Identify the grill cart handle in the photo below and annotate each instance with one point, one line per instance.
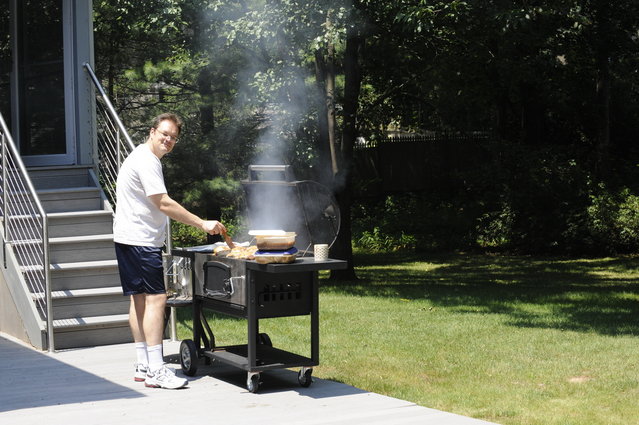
(225, 293)
(218, 282)
(228, 290)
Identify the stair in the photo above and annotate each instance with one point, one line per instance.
(88, 306)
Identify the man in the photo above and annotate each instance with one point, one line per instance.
(139, 234)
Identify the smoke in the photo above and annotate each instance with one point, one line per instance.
(274, 82)
(274, 206)
(277, 86)
(282, 112)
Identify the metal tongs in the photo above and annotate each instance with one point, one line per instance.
(228, 239)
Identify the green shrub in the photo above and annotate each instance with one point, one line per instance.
(185, 235)
(613, 220)
(518, 198)
(377, 241)
(628, 221)
(494, 228)
(414, 222)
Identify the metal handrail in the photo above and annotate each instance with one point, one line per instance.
(18, 200)
(112, 151)
(114, 142)
(105, 98)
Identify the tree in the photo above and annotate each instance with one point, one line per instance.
(166, 55)
(127, 35)
(344, 172)
(537, 72)
(300, 80)
(608, 33)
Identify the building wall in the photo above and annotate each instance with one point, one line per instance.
(10, 320)
(86, 139)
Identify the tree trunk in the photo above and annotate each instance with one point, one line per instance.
(603, 113)
(603, 52)
(343, 249)
(324, 174)
(330, 107)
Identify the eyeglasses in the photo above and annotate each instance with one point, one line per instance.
(167, 136)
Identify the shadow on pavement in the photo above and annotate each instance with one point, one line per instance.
(271, 381)
(30, 378)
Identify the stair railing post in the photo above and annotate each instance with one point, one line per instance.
(119, 152)
(4, 202)
(5, 221)
(47, 280)
(169, 251)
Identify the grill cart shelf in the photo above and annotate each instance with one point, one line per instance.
(246, 289)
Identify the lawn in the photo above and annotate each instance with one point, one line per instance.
(509, 339)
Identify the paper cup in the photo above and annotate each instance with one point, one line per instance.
(321, 252)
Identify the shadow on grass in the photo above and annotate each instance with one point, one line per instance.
(588, 295)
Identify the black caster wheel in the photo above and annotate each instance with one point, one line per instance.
(253, 382)
(304, 377)
(264, 339)
(188, 357)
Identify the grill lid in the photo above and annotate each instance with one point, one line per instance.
(275, 200)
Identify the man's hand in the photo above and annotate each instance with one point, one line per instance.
(213, 227)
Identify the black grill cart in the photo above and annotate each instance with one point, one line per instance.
(267, 291)
(246, 289)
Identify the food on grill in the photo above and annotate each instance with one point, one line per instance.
(240, 252)
(220, 249)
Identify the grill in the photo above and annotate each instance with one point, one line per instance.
(253, 291)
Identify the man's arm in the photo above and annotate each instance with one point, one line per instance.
(178, 213)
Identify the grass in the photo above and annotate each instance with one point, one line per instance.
(508, 339)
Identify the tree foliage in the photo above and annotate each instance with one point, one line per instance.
(297, 81)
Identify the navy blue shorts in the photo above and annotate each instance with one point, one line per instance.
(141, 270)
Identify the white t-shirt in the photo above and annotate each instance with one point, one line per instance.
(137, 220)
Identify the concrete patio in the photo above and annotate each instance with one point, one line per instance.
(95, 385)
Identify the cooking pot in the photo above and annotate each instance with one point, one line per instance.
(273, 240)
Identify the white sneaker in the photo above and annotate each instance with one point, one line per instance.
(164, 378)
(140, 372)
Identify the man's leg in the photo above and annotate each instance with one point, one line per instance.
(153, 329)
(158, 375)
(137, 310)
(153, 323)
(136, 313)
(146, 318)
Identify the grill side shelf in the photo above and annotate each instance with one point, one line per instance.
(303, 264)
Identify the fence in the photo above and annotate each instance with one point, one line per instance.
(416, 163)
(435, 137)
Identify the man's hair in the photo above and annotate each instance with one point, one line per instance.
(168, 116)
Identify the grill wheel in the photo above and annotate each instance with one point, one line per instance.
(253, 382)
(188, 357)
